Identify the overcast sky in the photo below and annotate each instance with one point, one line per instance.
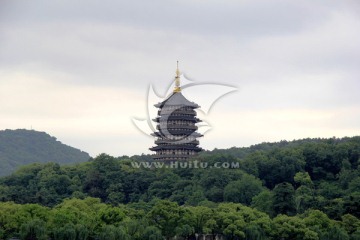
(81, 70)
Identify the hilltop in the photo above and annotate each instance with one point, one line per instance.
(21, 147)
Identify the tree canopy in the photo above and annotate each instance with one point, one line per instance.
(306, 189)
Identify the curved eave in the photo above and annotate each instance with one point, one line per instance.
(169, 141)
(178, 132)
(171, 157)
(162, 104)
(194, 134)
(176, 147)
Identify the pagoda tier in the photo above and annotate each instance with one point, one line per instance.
(176, 127)
(161, 141)
(176, 117)
(176, 147)
(194, 134)
(182, 111)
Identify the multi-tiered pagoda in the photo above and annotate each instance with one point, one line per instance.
(176, 138)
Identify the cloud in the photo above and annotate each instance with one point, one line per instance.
(80, 69)
(198, 17)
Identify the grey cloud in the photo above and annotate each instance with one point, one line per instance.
(242, 18)
(281, 54)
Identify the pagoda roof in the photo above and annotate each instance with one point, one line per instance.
(176, 99)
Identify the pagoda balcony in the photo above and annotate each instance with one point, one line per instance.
(174, 142)
(174, 147)
(171, 117)
(177, 133)
(172, 157)
(182, 112)
(171, 127)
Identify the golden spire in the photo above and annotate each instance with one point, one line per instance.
(177, 79)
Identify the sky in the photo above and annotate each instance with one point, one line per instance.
(81, 70)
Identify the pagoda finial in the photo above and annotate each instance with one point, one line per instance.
(177, 79)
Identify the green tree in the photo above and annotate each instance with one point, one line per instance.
(163, 187)
(336, 233)
(196, 196)
(352, 204)
(243, 190)
(232, 220)
(197, 218)
(103, 172)
(286, 227)
(185, 231)
(33, 230)
(350, 223)
(166, 215)
(110, 232)
(304, 198)
(254, 232)
(152, 233)
(354, 185)
(264, 202)
(284, 201)
(82, 233)
(280, 165)
(303, 179)
(317, 221)
(111, 215)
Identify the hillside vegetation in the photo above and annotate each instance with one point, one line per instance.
(22, 147)
(307, 189)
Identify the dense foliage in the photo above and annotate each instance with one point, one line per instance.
(307, 189)
(21, 147)
(159, 219)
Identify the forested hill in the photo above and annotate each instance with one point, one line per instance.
(300, 190)
(242, 152)
(22, 147)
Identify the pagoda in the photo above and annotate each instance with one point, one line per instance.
(176, 135)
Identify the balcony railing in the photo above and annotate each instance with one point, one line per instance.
(174, 127)
(174, 118)
(171, 157)
(186, 112)
(174, 142)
